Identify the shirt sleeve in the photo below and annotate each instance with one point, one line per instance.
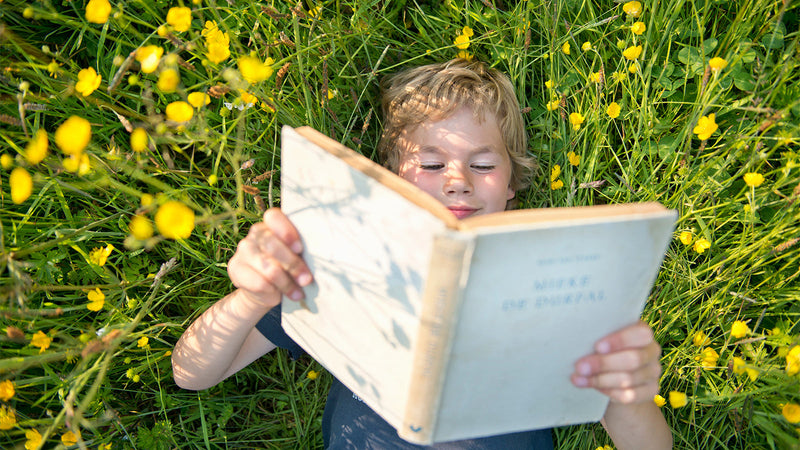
(270, 327)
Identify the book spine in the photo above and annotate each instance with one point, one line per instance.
(441, 302)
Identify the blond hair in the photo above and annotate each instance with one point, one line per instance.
(434, 92)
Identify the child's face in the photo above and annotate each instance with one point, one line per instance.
(461, 162)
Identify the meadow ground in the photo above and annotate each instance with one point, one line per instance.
(139, 142)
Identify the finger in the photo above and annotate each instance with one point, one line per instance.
(638, 394)
(283, 228)
(630, 359)
(635, 335)
(642, 376)
(272, 250)
(257, 266)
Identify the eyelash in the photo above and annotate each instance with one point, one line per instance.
(438, 166)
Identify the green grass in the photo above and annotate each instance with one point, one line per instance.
(95, 377)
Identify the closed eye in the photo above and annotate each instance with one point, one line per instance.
(483, 167)
(431, 166)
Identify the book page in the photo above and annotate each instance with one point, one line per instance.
(535, 302)
(368, 248)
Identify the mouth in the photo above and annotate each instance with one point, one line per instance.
(462, 211)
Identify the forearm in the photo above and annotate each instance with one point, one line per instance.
(217, 340)
(637, 426)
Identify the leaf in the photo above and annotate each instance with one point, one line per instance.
(774, 38)
(709, 45)
(743, 79)
(690, 56)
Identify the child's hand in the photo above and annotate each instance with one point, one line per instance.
(267, 263)
(625, 365)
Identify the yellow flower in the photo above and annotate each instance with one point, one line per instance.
(576, 119)
(21, 185)
(180, 18)
(41, 340)
(633, 9)
(565, 48)
(179, 111)
(586, 46)
(312, 375)
(552, 106)
(6, 390)
(147, 200)
(7, 418)
(253, 70)
(96, 300)
(139, 140)
(34, 439)
(141, 228)
(638, 28)
(97, 11)
(706, 126)
(143, 342)
(36, 150)
(77, 163)
(632, 52)
(574, 159)
(168, 81)
(555, 172)
(613, 110)
(198, 99)
(73, 135)
(700, 339)
(791, 412)
(467, 31)
(461, 42)
(793, 361)
(717, 63)
(633, 68)
(556, 185)
(463, 54)
(175, 220)
(53, 68)
(6, 161)
(98, 256)
(701, 245)
(677, 399)
(659, 401)
(709, 358)
(248, 99)
(548, 84)
(595, 77)
(88, 81)
(148, 57)
(738, 365)
(686, 239)
(752, 373)
(753, 179)
(217, 43)
(619, 76)
(69, 438)
(739, 329)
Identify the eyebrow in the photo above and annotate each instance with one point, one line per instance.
(475, 151)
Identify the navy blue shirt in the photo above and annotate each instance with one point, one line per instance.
(348, 423)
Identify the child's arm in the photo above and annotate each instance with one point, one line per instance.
(267, 264)
(626, 367)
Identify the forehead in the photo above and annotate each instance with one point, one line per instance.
(464, 130)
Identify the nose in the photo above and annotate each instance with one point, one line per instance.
(457, 181)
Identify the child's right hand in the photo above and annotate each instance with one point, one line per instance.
(268, 262)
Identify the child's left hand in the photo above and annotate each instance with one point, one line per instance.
(625, 366)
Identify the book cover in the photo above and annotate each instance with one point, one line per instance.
(455, 329)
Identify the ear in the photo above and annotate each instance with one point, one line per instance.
(511, 193)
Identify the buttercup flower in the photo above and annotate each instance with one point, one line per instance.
(97, 11)
(168, 81)
(6, 390)
(198, 99)
(659, 401)
(633, 52)
(69, 438)
(700, 339)
(141, 228)
(179, 112)
(147, 200)
(595, 77)
(7, 418)
(175, 220)
(701, 245)
(576, 119)
(77, 164)
(73, 135)
(706, 126)
(143, 342)
(633, 9)
(738, 365)
(613, 110)
(96, 300)
(793, 361)
(36, 150)
(461, 42)
(98, 256)
(548, 84)
(574, 159)
(791, 412)
(586, 46)
(565, 48)
(739, 329)
(463, 54)
(180, 18)
(638, 28)
(217, 43)
(467, 31)
(552, 106)
(717, 64)
(556, 185)
(41, 340)
(88, 81)
(312, 375)
(633, 68)
(708, 358)
(148, 57)
(139, 140)
(34, 439)
(677, 399)
(21, 185)
(53, 68)
(253, 70)
(686, 238)
(6, 161)
(753, 179)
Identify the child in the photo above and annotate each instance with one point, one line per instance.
(454, 130)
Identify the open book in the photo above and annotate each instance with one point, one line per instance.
(453, 329)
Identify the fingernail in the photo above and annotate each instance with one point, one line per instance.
(297, 247)
(603, 347)
(584, 369)
(296, 294)
(580, 381)
(304, 279)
